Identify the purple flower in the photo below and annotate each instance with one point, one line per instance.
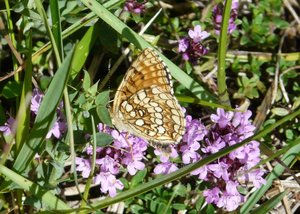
(134, 166)
(8, 126)
(189, 155)
(183, 44)
(134, 6)
(195, 133)
(230, 198)
(165, 168)
(217, 16)
(126, 152)
(59, 126)
(57, 130)
(191, 47)
(254, 176)
(229, 172)
(109, 183)
(197, 34)
(201, 172)
(83, 166)
(108, 164)
(219, 170)
(165, 157)
(36, 100)
(213, 146)
(222, 118)
(212, 195)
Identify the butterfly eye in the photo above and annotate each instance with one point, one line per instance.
(145, 105)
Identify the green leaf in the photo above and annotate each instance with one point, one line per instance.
(244, 40)
(280, 111)
(296, 103)
(282, 24)
(109, 39)
(86, 84)
(56, 26)
(92, 91)
(102, 98)
(136, 208)
(103, 139)
(11, 89)
(104, 116)
(245, 24)
(82, 50)
(210, 209)
(177, 206)
(180, 190)
(199, 203)
(153, 205)
(289, 134)
(138, 177)
(44, 82)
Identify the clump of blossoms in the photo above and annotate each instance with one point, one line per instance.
(217, 16)
(6, 129)
(191, 46)
(126, 151)
(59, 126)
(134, 6)
(228, 173)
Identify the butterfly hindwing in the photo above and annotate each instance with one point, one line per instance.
(144, 103)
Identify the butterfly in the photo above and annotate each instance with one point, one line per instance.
(145, 105)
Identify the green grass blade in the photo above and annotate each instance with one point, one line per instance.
(23, 116)
(73, 28)
(45, 116)
(47, 197)
(56, 26)
(40, 9)
(222, 88)
(270, 204)
(82, 50)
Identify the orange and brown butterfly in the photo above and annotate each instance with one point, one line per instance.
(145, 105)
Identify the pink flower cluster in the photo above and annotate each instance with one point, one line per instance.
(59, 126)
(191, 46)
(134, 6)
(126, 151)
(217, 16)
(227, 173)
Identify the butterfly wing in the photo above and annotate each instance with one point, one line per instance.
(144, 103)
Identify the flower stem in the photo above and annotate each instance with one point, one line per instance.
(222, 88)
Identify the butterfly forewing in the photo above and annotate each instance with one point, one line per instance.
(144, 103)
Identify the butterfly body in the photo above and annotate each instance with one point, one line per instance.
(145, 105)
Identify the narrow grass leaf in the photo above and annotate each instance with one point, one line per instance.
(44, 117)
(50, 200)
(82, 50)
(270, 204)
(56, 26)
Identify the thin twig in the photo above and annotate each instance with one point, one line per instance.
(292, 11)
